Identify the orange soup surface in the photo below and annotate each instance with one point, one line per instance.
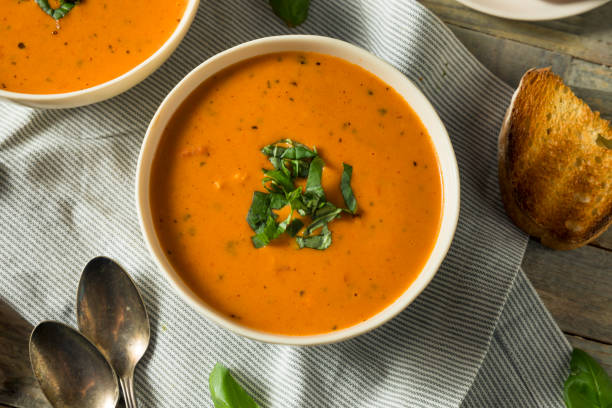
(208, 165)
(95, 42)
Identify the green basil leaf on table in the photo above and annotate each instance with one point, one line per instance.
(225, 390)
(292, 12)
(588, 385)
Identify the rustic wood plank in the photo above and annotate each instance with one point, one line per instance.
(587, 36)
(499, 55)
(599, 351)
(604, 240)
(585, 74)
(576, 286)
(591, 82)
(18, 386)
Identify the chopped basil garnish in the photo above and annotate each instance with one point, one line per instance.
(260, 209)
(64, 7)
(321, 241)
(294, 227)
(313, 182)
(322, 217)
(293, 160)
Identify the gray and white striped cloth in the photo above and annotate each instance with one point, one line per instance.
(478, 336)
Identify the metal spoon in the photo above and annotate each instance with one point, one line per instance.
(70, 370)
(111, 313)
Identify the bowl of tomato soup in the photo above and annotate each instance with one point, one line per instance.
(72, 53)
(297, 190)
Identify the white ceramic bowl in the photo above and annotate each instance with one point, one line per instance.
(533, 10)
(348, 52)
(115, 86)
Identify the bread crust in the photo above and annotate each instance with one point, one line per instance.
(555, 177)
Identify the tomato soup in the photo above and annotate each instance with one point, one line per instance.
(208, 165)
(95, 42)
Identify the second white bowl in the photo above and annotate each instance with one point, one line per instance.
(115, 86)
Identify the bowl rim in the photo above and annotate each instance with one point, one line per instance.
(449, 174)
(523, 12)
(158, 57)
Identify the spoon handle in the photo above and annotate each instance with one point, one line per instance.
(127, 386)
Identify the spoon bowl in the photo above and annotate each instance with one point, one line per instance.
(71, 371)
(111, 313)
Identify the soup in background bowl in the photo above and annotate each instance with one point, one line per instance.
(201, 163)
(96, 51)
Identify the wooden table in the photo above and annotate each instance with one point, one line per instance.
(576, 286)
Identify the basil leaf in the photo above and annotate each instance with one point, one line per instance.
(588, 385)
(294, 227)
(278, 178)
(259, 211)
(294, 151)
(292, 12)
(274, 150)
(313, 182)
(64, 7)
(322, 217)
(314, 193)
(295, 155)
(299, 168)
(345, 187)
(299, 152)
(321, 241)
(271, 230)
(266, 233)
(277, 201)
(276, 162)
(225, 390)
(294, 199)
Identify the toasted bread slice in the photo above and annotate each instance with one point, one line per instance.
(555, 163)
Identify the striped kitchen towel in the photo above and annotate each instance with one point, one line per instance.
(478, 336)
